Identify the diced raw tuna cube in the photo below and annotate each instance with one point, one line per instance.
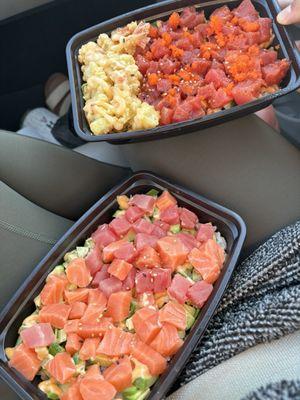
(94, 260)
(144, 202)
(126, 252)
(133, 213)
(100, 275)
(188, 239)
(188, 218)
(144, 281)
(143, 226)
(205, 232)
(162, 279)
(199, 293)
(129, 282)
(275, 72)
(103, 236)
(38, 335)
(179, 288)
(142, 240)
(110, 285)
(170, 215)
(120, 226)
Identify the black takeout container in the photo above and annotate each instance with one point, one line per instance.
(266, 8)
(21, 305)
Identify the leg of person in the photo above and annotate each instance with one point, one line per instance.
(244, 165)
(55, 178)
(27, 232)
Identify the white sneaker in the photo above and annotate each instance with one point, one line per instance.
(38, 123)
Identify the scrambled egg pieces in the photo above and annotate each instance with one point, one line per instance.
(113, 82)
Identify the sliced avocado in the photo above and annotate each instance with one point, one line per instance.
(196, 276)
(82, 251)
(181, 334)
(152, 192)
(140, 370)
(133, 307)
(190, 320)
(52, 396)
(190, 231)
(71, 255)
(80, 367)
(156, 213)
(132, 393)
(103, 360)
(89, 243)
(175, 228)
(19, 341)
(76, 358)
(191, 314)
(119, 213)
(60, 335)
(144, 383)
(185, 270)
(129, 324)
(130, 236)
(55, 348)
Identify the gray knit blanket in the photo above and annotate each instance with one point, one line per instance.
(262, 303)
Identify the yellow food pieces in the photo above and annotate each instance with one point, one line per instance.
(113, 82)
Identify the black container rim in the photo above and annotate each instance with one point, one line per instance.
(224, 215)
(189, 126)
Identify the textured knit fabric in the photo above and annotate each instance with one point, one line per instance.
(284, 390)
(261, 304)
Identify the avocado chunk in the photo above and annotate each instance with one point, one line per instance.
(55, 348)
(175, 228)
(52, 396)
(133, 307)
(82, 251)
(60, 335)
(133, 393)
(152, 192)
(185, 270)
(156, 213)
(71, 255)
(129, 324)
(76, 358)
(196, 276)
(144, 383)
(191, 315)
(119, 213)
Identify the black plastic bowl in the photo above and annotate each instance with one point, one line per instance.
(231, 226)
(266, 8)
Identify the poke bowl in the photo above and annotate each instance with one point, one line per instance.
(154, 308)
(176, 67)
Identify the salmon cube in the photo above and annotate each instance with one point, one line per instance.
(172, 251)
(120, 269)
(118, 305)
(119, 374)
(25, 361)
(167, 342)
(61, 367)
(146, 325)
(156, 363)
